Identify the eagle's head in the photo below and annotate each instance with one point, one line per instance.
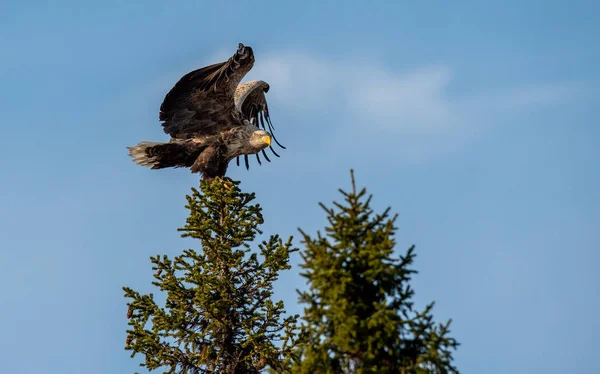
(260, 140)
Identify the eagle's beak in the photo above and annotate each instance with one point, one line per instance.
(267, 139)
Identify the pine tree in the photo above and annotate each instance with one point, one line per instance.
(358, 316)
(218, 316)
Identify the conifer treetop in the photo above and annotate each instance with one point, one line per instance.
(359, 315)
(219, 316)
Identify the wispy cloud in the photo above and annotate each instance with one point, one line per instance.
(409, 112)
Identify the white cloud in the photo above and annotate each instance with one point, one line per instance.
(409, 112)
(412, 103)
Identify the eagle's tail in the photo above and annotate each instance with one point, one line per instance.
(141, 154)
(157, 155)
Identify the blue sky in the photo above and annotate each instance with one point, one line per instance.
(475, 121)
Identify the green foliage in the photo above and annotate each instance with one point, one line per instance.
(359, 317)
(218, 316)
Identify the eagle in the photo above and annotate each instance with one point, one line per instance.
(212, 119)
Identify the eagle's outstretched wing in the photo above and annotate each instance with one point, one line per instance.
(250, 100)
(201, 102)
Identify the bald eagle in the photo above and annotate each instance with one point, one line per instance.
(212, 119)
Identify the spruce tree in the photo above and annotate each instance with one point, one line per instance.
(218, 316)
(358, 315)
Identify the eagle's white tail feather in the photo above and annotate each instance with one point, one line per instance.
(138, 153)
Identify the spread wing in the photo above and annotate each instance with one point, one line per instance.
(202, 101)
(250, 100)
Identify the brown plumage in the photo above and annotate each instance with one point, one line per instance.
(212, 119)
